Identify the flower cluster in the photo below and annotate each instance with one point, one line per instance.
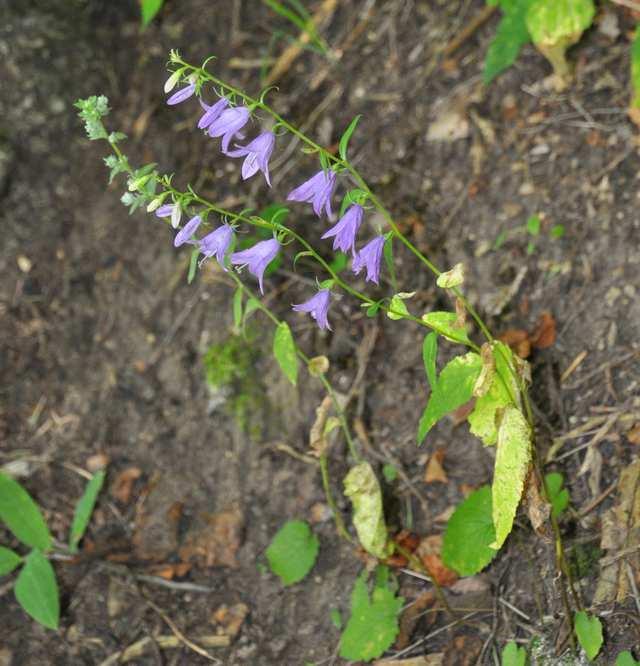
(227, 122)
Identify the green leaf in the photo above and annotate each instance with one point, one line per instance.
(84, 509)
(362, 488)
(193, 265)
(36, 590)
(511, 35)
(429, 356)
(149, 8)
(445, 324)
(22, 515)
(635, 70)
(356, 196)
(339, 262)
(8, 560)
(344, 141)
(626, 659)
(482, 419)
(533, 225)
(453, 388)
(293, 551)
(589, 633)
(512, 655)
(557, 231)
(558, 496)
(237, 308)
(466, 546)
(513, 456)
(373, 624)
(398, 306)
(389, 472)
(284, 349)
(387, 251)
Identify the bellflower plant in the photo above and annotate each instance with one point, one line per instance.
(170, 210)
(257, 154)
(257, 258)
(317, 306)
(212, 113)
(217, 243)
(182, 95)
(228, 124)
(318, 191)
(345, 230)
(369, 257)
(186, 233)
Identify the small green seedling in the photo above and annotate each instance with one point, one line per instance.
(512, 655)
(589, 632)
(293, 552)
(558, 496)
(532, 228)
(626, 659)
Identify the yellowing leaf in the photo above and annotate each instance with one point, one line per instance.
(445, 324)
(452, 278)
(362, 488)
(513, 457)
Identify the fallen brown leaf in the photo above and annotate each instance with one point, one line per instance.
(518, 341)
(230, 619)
(429, 552)
(171, 570)
(412, 614)
(123, 484)
(434, 472)
(545, 333)
(537, 508)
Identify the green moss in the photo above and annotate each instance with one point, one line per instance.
(584, 560)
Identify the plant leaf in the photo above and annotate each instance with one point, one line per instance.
(22, 515)
(452, 389)
(293, 551)
(513, 456)
(635, 70)
(626, 659)
(558, 496)
(284, 349)
(445, 324)
(84, 509)
(399, 308)
(193, 265)
(512, 655)
(469, 534)
(589, 633)
(237, 308)
(8, 560)
(362, 488)
(452, 278)
(373, 624)
(36, 590)
(429, 356)
(149, 9)
(344, 140)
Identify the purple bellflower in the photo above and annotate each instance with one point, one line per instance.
(186, 233)
(217, 242)
(317, 191)
(369, 258)
(346, 228)
(212, 113)
(317, 306)
(182, 94)
(256, 154)
(228, 124)
(170, 210)
(257, 258)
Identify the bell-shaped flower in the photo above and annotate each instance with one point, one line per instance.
(257, 258)
(182, 94)
(257, 154)
(317, 306)
(170, 210)
(318, 191)
(185, 235)
(345, 230)
(228, 124)
(217, 243)
(369, 257)
(212, 113)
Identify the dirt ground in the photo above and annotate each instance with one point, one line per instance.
(102, 340)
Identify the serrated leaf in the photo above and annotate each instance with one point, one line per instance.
(362, 488)
(84, 509)
(558, 496)
(373, 624)
(482, 419)
(445, 324)
(512, 655)
(469, 534)
(589, 633)
(453, 388)
(22, 515)
(429, 356)
(559, 23)
(284, 349)
(452, 278)
(626, 659)
(149, 9)
(293, 551)
(8, 560)
(513, 457)
(511, 35)
(36, 590)
(344, 140)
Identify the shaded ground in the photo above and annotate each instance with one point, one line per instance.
(102, 340)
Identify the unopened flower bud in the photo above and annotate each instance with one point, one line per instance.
(171, 82)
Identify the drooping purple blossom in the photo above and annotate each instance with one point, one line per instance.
(182, 94)
(369, 257)
(345, 229)
(186, 233)
(317, 306)
(217, 243)
(170, 210)
(318, 191)
(256, 154)
(257, 258)
(228, 124)
(212, 113)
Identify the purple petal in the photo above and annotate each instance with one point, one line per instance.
(185, 234)
(212, 113)
(182, 94)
